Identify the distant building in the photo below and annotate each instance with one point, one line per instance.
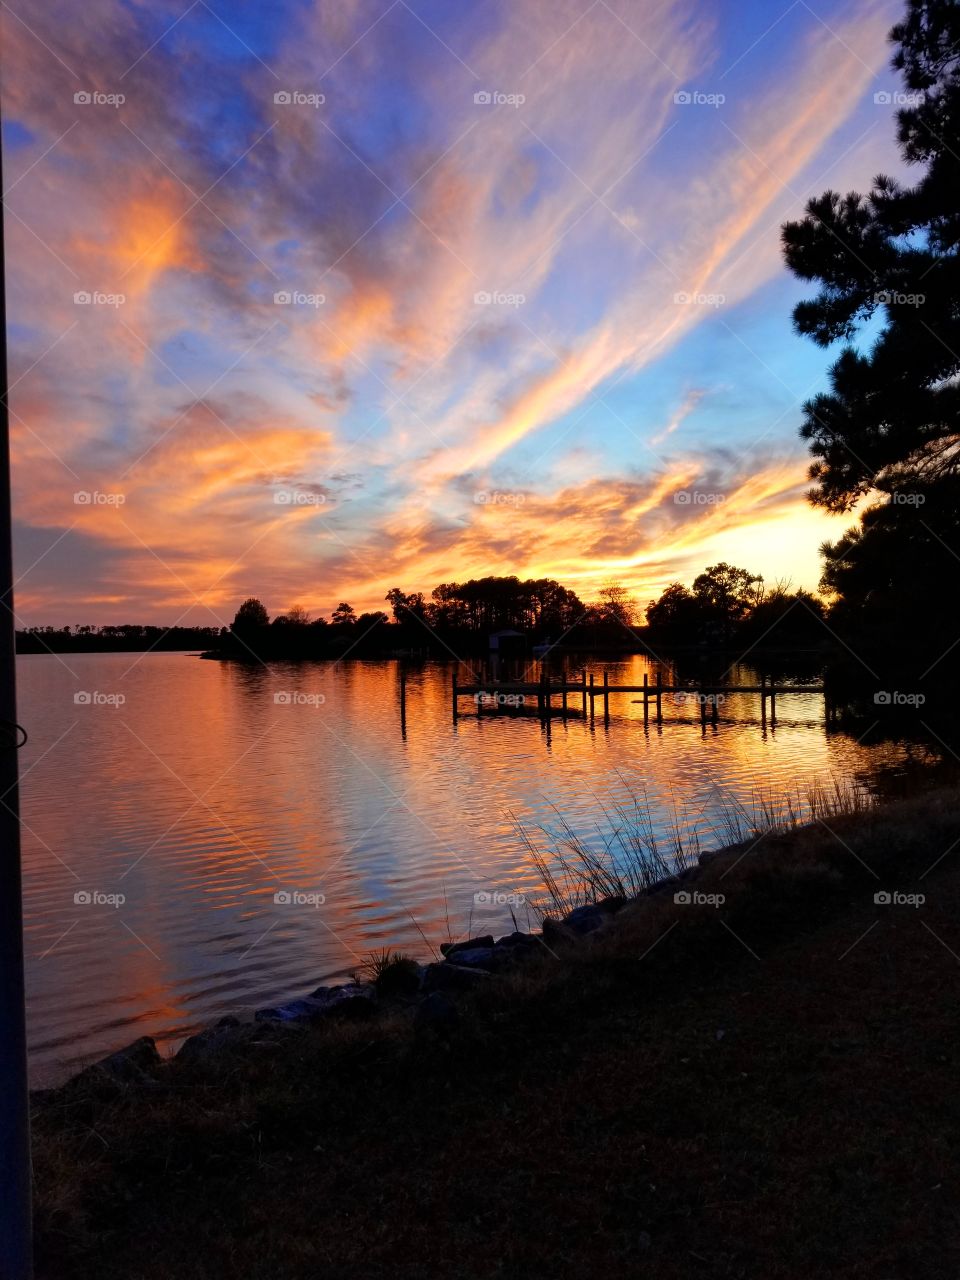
(507, 642)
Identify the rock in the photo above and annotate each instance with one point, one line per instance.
(436, 1013)
(353, 999)
(453, 977)
(518, 942)
(449, 949)
(478, 958)
(210, 1042)
(293, 1011)
(612, 904)
(586, 919)
(133, 1065)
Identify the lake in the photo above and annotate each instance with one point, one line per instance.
(203, 838)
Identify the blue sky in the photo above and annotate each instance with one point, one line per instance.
(538, 321)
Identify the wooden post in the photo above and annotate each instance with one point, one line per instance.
(773, 704)
(592, 696)
(703, 707)
(763, 702)
(454, 691)
(659, 697)
(646, 695)
(606, 695)
(583, 695)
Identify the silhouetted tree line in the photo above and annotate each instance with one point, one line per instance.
(127, 638)
(888, 430)
(458, 616)
(726, 605)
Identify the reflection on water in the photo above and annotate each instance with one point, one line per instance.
(229, 835)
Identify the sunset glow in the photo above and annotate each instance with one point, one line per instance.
(394, 294)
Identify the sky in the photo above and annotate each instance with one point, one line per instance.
(310, 300)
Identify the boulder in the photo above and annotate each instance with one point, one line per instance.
(478, 958)
(450, 949)
(586, 919)
(133, 1065)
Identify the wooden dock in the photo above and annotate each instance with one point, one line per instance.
(540, 696)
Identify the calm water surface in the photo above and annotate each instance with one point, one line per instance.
(159, 831)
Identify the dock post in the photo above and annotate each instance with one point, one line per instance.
(583, 695)
(646, 695)
(703, 708)
(592, 696)
(606, 695)
(714, 707)
(659, 697)
(454, 692)
(773, 704)
(763, 702)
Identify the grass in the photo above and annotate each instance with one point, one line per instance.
(760, 1088)
(629, 857)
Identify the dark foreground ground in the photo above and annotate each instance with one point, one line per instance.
(762, 1089)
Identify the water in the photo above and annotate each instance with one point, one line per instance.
(159, 830)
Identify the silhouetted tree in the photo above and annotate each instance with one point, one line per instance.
(891, 416)
(617, 605)
(343, 615)
(251, 616)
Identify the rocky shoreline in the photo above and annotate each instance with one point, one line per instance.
(429, 990)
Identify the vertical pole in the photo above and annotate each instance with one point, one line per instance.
(16, 1251)
(592, 696)
(606, 695)
(763, 702)
(583, 695)
(454, 694)
(646, 695)
(659, 697)
(773, 704)
(703, 708)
